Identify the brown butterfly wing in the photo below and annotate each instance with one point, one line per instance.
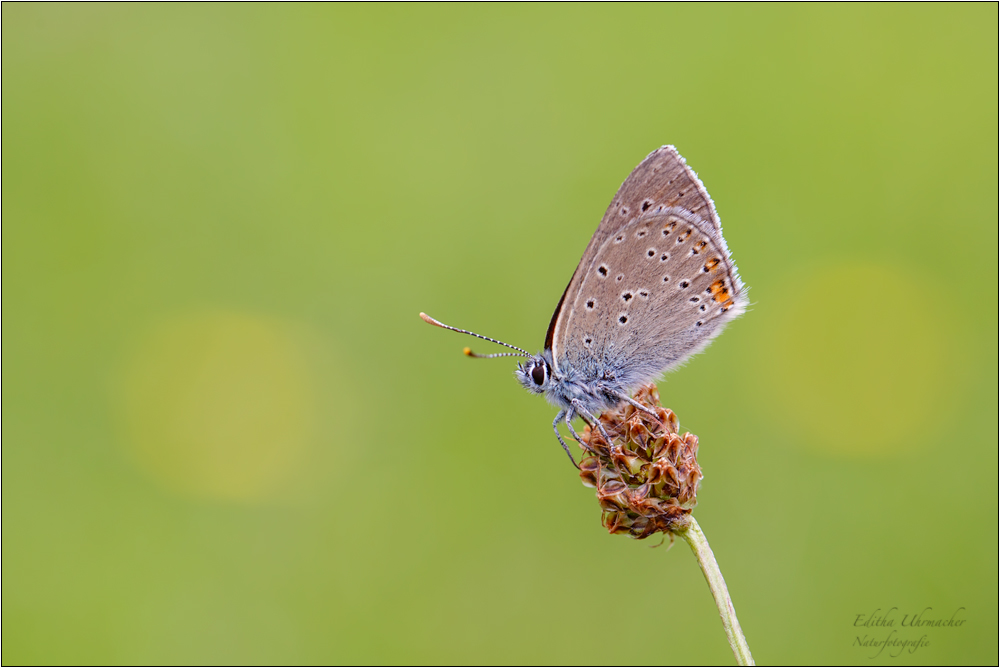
(661, 211)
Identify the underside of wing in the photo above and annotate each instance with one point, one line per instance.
(661, 186)
(650, 296)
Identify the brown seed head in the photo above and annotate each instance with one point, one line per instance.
(647, 480)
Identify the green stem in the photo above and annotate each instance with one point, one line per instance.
(695, 537)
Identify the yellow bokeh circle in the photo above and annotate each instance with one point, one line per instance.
(858, 360)
(219, 404)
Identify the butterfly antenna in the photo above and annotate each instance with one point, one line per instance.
(468, 351)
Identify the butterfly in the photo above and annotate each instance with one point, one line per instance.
(655, 285)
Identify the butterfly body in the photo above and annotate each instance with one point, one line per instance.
(655, 285)
(567, 387)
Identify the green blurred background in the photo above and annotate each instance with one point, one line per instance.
(228, 438)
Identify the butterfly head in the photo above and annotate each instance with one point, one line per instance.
(535, 374)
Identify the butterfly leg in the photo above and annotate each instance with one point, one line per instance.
(569, 425)
(625, 397)
(593, 420)
(555, 428)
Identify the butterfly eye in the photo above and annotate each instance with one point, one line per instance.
(538, 374)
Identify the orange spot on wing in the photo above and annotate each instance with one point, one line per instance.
(720, 292)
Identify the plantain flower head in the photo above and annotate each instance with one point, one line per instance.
(647, 478)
